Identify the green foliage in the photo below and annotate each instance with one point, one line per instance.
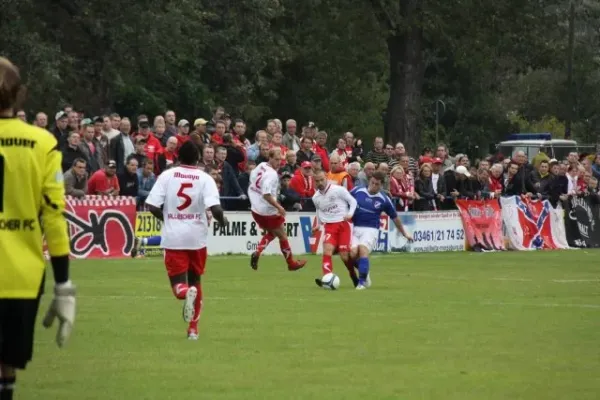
(339, 63)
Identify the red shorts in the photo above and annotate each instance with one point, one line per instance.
(268, 222)
(180, 261)
(338, 234)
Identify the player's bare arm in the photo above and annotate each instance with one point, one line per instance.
(269, 198)
(156, 211)
(401, 229)
(217, 213)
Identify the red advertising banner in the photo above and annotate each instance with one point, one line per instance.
(482, 221)
(101, 226)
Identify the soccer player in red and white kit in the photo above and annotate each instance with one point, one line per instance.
(335, 208)
(180, 197)
(268, 214)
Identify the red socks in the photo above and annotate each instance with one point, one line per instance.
(264, 242)
(327, 266)
(286, 250)
(180, 290)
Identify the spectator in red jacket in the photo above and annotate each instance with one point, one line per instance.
(167, 157)
(321, 151)
(220, 128)
(183, 133)
(104, 182)
(303, 181)
(153, 146)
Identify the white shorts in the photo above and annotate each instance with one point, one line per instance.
(363, 236)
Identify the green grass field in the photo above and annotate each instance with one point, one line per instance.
(433, 326)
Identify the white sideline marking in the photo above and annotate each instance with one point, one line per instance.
(345, 299)
(513, 279)
(575, 280)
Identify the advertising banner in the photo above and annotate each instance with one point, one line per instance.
(432, 232)
(101, 226)
(482, 221)
(582, 222)
(147, 226)
(532, 224)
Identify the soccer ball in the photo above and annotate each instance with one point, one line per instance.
(330, 281)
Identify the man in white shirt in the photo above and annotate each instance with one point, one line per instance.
(335, 208)
(180, 198)
(268, 214)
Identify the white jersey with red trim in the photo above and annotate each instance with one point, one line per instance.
(185, 193)
(334, 203)
(263, 180)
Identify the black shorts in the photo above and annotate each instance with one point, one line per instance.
(17, 324)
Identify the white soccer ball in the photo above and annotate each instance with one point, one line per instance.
(330, 281)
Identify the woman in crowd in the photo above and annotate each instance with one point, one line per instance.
(424, 188)
(402, 187)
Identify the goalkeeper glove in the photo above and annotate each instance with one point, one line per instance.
(63, 308)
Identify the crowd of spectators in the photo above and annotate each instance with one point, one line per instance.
(113, 155)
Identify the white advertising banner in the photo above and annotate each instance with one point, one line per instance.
(432, 231)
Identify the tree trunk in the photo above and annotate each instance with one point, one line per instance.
(407, 70)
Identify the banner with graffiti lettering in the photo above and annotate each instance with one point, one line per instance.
(533, 224)
(101, 226)
(482, 221)
(582, 221)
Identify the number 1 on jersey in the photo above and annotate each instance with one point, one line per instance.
(187, 200)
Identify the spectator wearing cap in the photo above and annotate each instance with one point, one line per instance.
(288, 198)
(60, 130)
(140, 150)
(437, 179)
(121, 146)
(183, 133)
(88, 147)
(338, 173)
(317, 164)
(170, 119)
(153, 146)
(305, 153)
(320, 150)
(290, 139)
(220, 129)
(290, 163)
(303, 182)
(254, 150)
(146, 180)
(104, 182)
(377, 155)
(200, 130)
(76, 179)
(41, 120)
(72, 151)
(167, 157)
(128, 178)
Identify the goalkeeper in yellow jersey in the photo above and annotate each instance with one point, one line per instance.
(31, 205)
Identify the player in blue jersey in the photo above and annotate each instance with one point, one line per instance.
(371, 203)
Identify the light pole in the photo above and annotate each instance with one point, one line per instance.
(439, 112)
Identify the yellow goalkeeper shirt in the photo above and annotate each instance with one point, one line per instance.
(31, 193)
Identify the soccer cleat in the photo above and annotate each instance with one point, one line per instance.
(368, 281)
(192, 334)
(361, 287)
(137, 245)
(188, 304)
(254, 260)
(296, 265)
(318, 282)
